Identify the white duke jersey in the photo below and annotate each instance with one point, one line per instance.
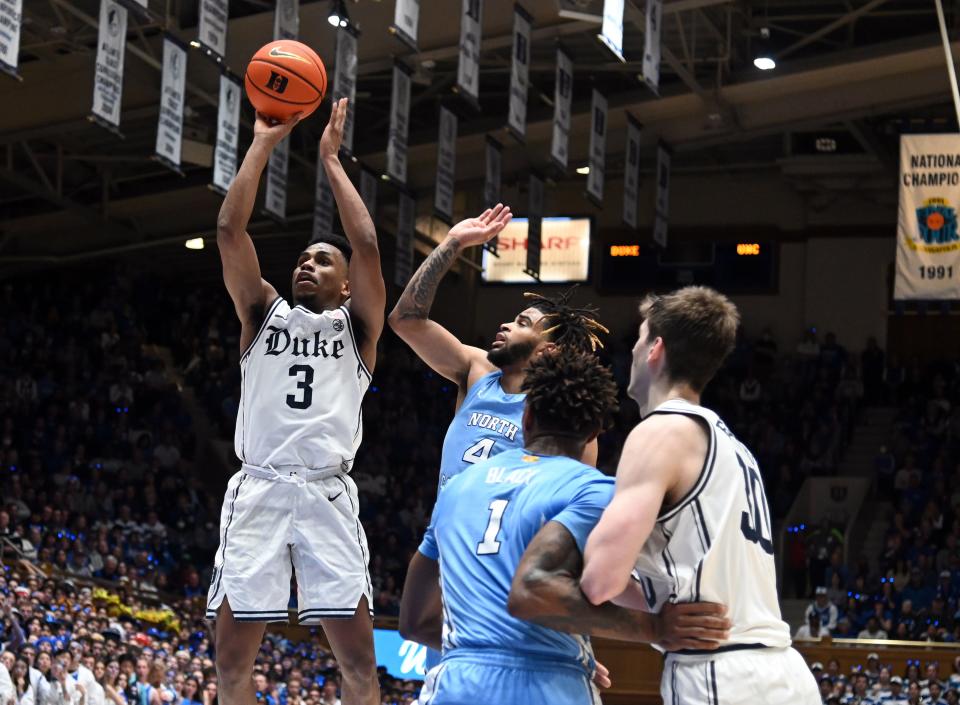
(302, 382)
(715, 544)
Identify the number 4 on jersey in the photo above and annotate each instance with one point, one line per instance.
(478, 451)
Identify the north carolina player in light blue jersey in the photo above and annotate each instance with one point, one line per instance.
(489, 398)
(482, 524)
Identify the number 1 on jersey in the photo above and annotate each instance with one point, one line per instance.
(490, 545)
(478, 451)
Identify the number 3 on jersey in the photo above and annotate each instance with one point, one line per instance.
(478, 451)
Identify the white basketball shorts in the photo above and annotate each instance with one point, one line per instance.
(746, 677)
(269, 528)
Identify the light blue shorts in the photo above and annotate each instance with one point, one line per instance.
(472, 676)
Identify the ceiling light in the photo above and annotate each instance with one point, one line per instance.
(764, 58)
(338, 14)
(583, 170)
(195, 243)
(195, 44)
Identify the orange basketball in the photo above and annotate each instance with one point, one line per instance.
(284, 78)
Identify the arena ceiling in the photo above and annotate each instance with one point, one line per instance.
(857, 71)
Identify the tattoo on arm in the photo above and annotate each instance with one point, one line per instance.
(417, 297)
(551, 580)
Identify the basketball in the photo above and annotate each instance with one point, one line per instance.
(284, 78)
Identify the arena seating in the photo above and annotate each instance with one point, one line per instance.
(108, 522)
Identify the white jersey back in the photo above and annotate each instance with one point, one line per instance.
(302, 382)
(715, 544)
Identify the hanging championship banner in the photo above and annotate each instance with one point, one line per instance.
(651, 45)
(324, 204)
(286, 19)
(275, 199)
(661, 206)
(345, 80)
(212, 29)
(399, 124)
(491, 184)
(406, 17)
(172, 85)
(108, 80)
(611, 28)
(928, 243)
(519, 73)
(562, 97)
(446, 166)
(11, 19)
(228, 120)
(368, 191)
(598, 148)
(631, 172)
(406, 222)
(468, 68)
(534, 225)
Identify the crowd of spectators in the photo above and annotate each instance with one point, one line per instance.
(877, 683)
(99, 476)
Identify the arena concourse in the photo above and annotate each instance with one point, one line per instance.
(785, 187)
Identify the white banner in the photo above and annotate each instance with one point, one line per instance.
(324, 204)
(286, 19)
(11, 19)
(651, 45)
(173, 83)
(611, 29)
(661, 206)
(534, 225)
(406, 17)
(111, 46)
(212, 29)
(345, 80)
(519, 73)
(598, 147)
(928, 242)
(631, 173)
(491, 184)
(468, 68)
(565, 258)
(446, 166)
(368, 191)
(406, 223)
(275, 200)
(399, 124)
(562, 97)
(228, 119)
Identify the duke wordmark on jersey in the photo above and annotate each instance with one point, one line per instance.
(279, 341)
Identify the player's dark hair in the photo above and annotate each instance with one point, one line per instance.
(566, 325)
(570, 393)
(335, 240)
(698, 326)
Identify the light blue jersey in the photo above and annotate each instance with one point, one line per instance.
(488, 422)
(482, 523)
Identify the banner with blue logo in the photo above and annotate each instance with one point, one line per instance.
(928, 244)
(402, 659)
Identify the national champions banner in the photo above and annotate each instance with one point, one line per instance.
(108, 81)
(928, 245)
(172, 91)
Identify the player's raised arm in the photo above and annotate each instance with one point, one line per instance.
(368, 296)
(410, 319)
(546, 591)
(654, 455)
(241, 270)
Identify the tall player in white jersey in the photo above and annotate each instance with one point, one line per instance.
(305, 367)
(689, 520)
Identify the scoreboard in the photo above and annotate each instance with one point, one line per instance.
(747, 267)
